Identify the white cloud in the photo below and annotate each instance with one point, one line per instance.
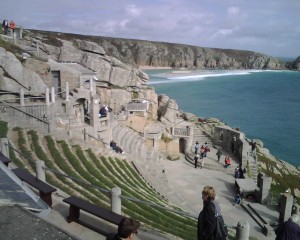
(233, 11)
(133, 10)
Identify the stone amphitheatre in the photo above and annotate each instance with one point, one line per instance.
(52, 87)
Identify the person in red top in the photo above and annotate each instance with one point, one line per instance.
(12, 26)
(227, 161)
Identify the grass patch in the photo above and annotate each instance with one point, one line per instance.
(3, 129)
(10, 47)
(165, 138)
(23, 148)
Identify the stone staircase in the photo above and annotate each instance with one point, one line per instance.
(253, 168)
(201, 137)
(254, 211)
(210, 162)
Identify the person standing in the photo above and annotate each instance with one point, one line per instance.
(227, 162)
(196, 147)
(219, 154)
(202, 150)
(12, 26)
(5, 26)
(233, 145)
(289, 230)
(207, 221)
(196, 160)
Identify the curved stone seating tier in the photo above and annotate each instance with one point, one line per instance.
(147, 160)
(126, 141)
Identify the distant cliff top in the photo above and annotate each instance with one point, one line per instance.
(161, 54)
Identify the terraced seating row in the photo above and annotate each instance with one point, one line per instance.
(147, 160)
(134, 145)
(85, 165)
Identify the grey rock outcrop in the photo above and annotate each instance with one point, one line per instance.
(108, 69)
(260, 61)
(295, 65)
(14, 76)
(148, 53)
(167, 110)
(189, 116)
(90, 47)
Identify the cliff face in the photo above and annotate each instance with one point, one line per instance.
(175, 55)
(295, 65)
(118, 83)
(158, 54)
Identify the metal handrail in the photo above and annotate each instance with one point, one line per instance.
(30, 115)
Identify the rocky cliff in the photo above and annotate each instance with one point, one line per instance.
(295, 65)
(158, 54)
(118, 83)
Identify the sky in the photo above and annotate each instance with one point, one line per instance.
(267, 26)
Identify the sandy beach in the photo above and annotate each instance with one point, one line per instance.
(152, 67)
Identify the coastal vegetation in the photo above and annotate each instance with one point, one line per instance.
(8, 46)
(3, 129)
(165, 138)
(282, 178)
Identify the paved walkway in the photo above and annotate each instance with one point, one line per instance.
(188, 182)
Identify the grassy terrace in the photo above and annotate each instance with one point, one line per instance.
(103, 172)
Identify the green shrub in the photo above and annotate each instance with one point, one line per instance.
(134, 95)
(3, 129)
(165, 138)
(284, 179)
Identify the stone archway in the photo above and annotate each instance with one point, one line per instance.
(81, 110)
(182, 145)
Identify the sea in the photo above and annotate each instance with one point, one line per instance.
(264, 104)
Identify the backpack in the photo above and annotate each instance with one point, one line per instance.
(221, 232)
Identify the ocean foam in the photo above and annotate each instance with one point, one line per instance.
(196, 76)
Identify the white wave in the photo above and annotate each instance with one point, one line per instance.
(198, 76)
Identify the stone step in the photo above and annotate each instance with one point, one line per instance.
(132, 145)
(126, 139)
(116, 132)
(122, 134)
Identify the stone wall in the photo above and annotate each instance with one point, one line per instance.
(223, 136)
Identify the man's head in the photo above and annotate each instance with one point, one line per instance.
(208, 193)
(128, 228)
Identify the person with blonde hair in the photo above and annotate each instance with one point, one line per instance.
(207, 221)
